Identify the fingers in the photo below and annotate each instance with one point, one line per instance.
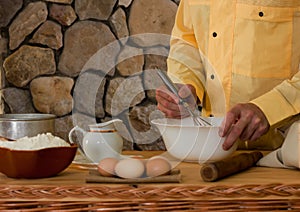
(164, 94)
(170, 109)
(188, 93)
(172, 113)
(251, 130)
(234, 133)
(260, 128)
(244, 122)
(168, 103)
(229, 120)
(185, 91)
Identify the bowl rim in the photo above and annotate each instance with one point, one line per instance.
(156, 122)
(26, 116)
(38, 150)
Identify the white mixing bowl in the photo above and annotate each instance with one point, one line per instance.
(187, 142)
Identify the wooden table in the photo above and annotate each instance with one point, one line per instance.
(257, 188)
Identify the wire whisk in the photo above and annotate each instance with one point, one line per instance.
(198, 120)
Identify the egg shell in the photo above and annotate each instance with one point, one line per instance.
(106, 167)
(130, 168)
(157, 167)
(158, 156)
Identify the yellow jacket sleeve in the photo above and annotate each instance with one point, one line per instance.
(281, 102)
(184, 61)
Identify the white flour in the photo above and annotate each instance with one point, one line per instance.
(40, 141)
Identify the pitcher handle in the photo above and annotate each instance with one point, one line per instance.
(71, 139)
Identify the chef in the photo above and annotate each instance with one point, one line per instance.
(239, 59)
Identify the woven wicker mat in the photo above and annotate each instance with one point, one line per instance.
(173, 177)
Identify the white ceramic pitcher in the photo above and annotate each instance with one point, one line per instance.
(101, 141)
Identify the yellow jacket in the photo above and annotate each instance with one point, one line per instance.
(237, 51)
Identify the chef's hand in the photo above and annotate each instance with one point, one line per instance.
(244, 121)
(168, 103)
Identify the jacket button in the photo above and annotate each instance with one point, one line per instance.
(214, 34)
(212, 76)
(261, 14)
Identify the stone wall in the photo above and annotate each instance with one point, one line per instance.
(86, 61)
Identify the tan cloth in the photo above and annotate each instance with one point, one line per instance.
(288, 155)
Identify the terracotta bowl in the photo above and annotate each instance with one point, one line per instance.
(41, 163)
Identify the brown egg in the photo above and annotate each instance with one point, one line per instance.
(130, 168)
(157, 166)
(106, 167)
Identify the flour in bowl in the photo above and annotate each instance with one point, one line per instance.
(40, 141)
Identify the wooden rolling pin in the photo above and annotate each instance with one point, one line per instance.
(214, 171)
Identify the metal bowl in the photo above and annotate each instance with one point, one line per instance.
(14, 126)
